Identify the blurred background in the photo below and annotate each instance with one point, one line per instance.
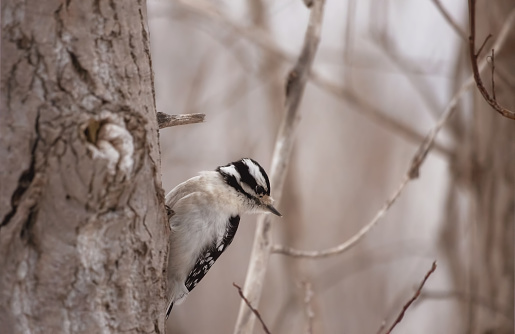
(397, 58)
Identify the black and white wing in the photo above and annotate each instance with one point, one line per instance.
(211, 254)
(208, 257)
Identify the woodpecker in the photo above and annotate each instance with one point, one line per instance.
(204, 214)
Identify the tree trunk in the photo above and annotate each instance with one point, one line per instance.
(83, 237)
(478, 233)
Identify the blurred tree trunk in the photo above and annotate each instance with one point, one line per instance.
(290, 234)
(483, 176)
(83, 236)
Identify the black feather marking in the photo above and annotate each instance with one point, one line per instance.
(169, 310)
(264, 175)
(246, 177)
(208, 257)
(231, 181)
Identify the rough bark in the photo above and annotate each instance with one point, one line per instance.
(83, 236)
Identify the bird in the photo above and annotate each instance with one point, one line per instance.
(204, 215)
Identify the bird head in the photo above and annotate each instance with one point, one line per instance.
(249, 179)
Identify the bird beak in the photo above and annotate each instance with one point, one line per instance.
(267, 203)
(273, 210)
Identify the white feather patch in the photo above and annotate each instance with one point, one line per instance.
(248, 189)
(231, 170)
(255, 172)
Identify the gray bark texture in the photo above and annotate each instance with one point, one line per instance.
(83, 235)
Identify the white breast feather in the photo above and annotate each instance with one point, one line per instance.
(202, 206)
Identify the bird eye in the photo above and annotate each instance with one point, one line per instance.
(260, 190)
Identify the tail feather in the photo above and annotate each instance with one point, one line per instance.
(179, 293)
(169, 309)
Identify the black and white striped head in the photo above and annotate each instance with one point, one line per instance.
(248, 178)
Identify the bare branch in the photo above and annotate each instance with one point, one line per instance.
(415, 296)
(413, 170)
(308, 308)
(279, 249)
(262, 39)
(450, 20)
(165, 120)
(296, 83)
(256, 312)
(483, 45)
(474, 56)
(412, 173)
(492, 62)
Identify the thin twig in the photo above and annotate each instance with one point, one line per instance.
(296, 83)
(415, 296)
(280, 249)
(261, 38)
(256, 312)
(412, 173)
(450, 20)
(308, 308)
(473, 59)
(165, 120)
(492, 61)
(483, 45)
